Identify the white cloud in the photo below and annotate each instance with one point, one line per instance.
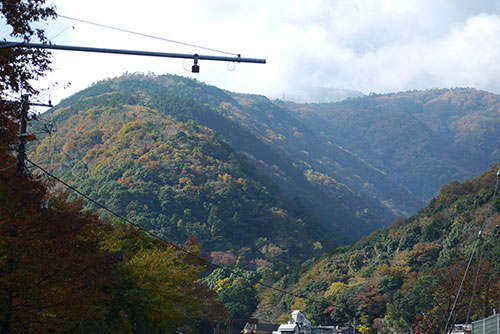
(367, 45)
(466, 56)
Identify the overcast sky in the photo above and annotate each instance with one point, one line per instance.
(365, 45)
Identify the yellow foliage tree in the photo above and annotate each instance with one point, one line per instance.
(335, 290)
(160, 289)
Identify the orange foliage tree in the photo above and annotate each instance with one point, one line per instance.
(51, 264)
(19, 65)
(474, 299)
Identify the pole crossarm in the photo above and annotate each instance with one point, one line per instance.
(41, 104)
(7, 44)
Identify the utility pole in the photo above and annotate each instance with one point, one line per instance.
(497, 235)
(21, 154)
(6, 324)
(23, 125)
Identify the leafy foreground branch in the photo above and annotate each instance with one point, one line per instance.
(60, 266)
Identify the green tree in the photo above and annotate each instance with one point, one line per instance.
(345, 310)
(315, 312)
(356, 261)
(417, 301)
(162, 290)
(156, 287)
(235, 290)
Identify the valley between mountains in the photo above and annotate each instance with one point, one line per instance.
(287, 190)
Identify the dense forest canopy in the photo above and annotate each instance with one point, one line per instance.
(423, 139)
(405, 276)
(150, 146)
(233, 194)
(63, 269)
(350, 197)
(176, 179)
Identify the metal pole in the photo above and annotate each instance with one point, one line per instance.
(6, 45)
(21, 154)
(6, 323)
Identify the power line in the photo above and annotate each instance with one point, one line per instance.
(133, 33)
(472, 254)
(145, 35)
(461, 286)
(163, 240)
(60, 32)
(474, 286)
(4, 169)
(490, 211)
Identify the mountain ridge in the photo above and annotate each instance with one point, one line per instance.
(457, 127)
(176, 180)
(223, 111)
(352, 194)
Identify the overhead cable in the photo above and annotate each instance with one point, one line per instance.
(490, 211)
(4, 169)
(473, 293)
(146, 35)
(172, 244)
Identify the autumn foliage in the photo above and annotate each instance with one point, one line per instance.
(19, 65)
(61, 268)
(414, 275)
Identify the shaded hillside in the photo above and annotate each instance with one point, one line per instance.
(338, 172)
(422, 139)
(292, 141)
(408, 274)
(176, 179)
(351, 197)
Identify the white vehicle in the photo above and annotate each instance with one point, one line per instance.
(298, 325)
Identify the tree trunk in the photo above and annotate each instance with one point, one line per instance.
(6, 324)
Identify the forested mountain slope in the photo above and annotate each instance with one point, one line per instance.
(349, 196)
(336, 172)
(183, 159)
(422, 139)
(408, 274)
(176, 179)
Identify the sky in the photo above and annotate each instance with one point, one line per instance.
(379, 46)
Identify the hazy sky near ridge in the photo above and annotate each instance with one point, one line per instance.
(366, 45)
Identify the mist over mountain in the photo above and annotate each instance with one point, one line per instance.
(318, 94)
(422, 139)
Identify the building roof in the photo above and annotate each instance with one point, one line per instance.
(267, 327)
(256, 328)
(287, 327)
